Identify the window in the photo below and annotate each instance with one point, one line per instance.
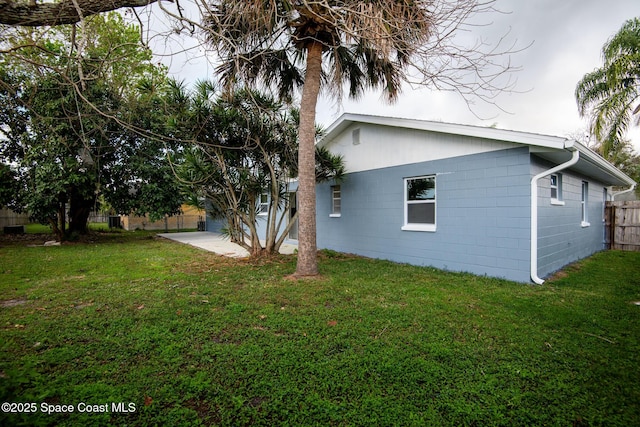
(263, 206)
(556, 189)
(335, 201)
(585, 202)
(420, 203)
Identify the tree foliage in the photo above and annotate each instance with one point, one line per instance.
(63, 99)
(244, 161)
(8, 186)
(609, 95)
(627, 160)
(366, 45)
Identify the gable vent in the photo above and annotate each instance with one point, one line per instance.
(355, 136)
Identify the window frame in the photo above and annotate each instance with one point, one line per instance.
(557, 200)
(605, 198)
(336, 213)
(407, 226)
(584, 204)
(263, 206)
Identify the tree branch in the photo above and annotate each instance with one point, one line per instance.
(32, 14)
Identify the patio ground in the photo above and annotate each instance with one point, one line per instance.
(215, 242)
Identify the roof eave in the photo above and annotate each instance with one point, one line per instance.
(538, 143)
(604, 165)
(524, 138)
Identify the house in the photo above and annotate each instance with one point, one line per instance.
(464, 198)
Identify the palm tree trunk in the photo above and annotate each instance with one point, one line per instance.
(307, 264)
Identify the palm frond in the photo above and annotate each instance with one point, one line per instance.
(367, 44)
(609, 94)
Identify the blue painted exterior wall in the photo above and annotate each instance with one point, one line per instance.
(261, 223)
(281, 215)
(213, 225)
(562, 238)
(482, 209)
(217, 225)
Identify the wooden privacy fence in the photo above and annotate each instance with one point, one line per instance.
(10, 218)
(622, 225)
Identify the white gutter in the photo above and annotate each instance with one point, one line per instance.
(633, 187)
(575, 156)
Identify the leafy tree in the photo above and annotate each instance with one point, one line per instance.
(8, 185)
(141, 180)
(59, 152)
(376, 44)
(609, 95)
(62, 112)
(624, 158)
(627, 160)
(246, 149)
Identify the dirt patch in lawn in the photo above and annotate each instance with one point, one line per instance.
(12, 302)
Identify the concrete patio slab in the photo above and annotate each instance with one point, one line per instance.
(218, 243)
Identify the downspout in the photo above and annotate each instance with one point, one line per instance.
(613, 196)
(575, 156)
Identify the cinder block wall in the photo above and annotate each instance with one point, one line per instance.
(562, 238)
(482, 215)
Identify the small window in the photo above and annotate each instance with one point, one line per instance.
(555, 183)
(263, 206)
(420, 203)
(585, 204)
(335, 201)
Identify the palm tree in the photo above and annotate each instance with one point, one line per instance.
(283, 44)
(609, 95)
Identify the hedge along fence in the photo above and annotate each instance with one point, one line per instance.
(622, 225)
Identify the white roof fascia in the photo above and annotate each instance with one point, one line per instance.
(532, 139)
(601, 163)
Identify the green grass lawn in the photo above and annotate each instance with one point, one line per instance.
(35, 228)
(191, 338)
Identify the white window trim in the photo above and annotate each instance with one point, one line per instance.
(557, 201)
(419, 227)
(260, 204)
(584, 204)
(334, 214)
(605, 197)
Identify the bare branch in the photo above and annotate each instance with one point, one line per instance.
(32, 14)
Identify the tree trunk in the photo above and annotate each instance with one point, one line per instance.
(79, 210)
(58, 224)
(307, 264)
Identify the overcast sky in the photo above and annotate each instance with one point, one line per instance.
(566, 38)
